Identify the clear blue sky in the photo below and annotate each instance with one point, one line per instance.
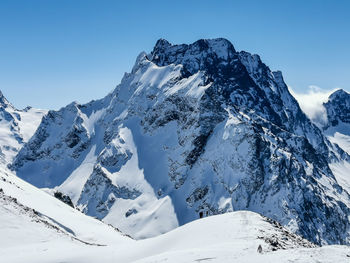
(54, 52)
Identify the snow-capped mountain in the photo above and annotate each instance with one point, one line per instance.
(336, 128)
(194, 130)
(16, 128)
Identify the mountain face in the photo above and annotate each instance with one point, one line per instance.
(337, 126)
(17, 127)
(337, 130)
(338, 108)
(36, 227)
(194, 130)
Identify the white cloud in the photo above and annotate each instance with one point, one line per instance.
(311, 102)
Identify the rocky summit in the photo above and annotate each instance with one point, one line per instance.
(193, 131)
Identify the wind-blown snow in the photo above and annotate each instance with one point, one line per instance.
(311, 102)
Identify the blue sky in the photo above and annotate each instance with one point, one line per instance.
(54, 52)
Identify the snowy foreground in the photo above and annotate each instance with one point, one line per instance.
(36, 227)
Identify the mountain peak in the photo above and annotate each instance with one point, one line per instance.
(339, 94)
(4, 103)
(217, 57)
(338, 107)
(165, 53)
(203, 44)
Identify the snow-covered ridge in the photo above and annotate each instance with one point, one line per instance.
(194, 130)
(25, 205)
(16, 128)
(36, 227)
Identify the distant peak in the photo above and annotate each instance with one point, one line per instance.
(340, 93)
(4, 102)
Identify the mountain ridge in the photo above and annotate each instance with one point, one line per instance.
(17, 127)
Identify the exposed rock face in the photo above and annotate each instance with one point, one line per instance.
(197, 129)
(64, 198)
(338, 108)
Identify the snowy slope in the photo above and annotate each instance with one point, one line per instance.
(35, 227)
(235, 237)
(26, 210)
(194, 130)
(16, 128)
(225, 238)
